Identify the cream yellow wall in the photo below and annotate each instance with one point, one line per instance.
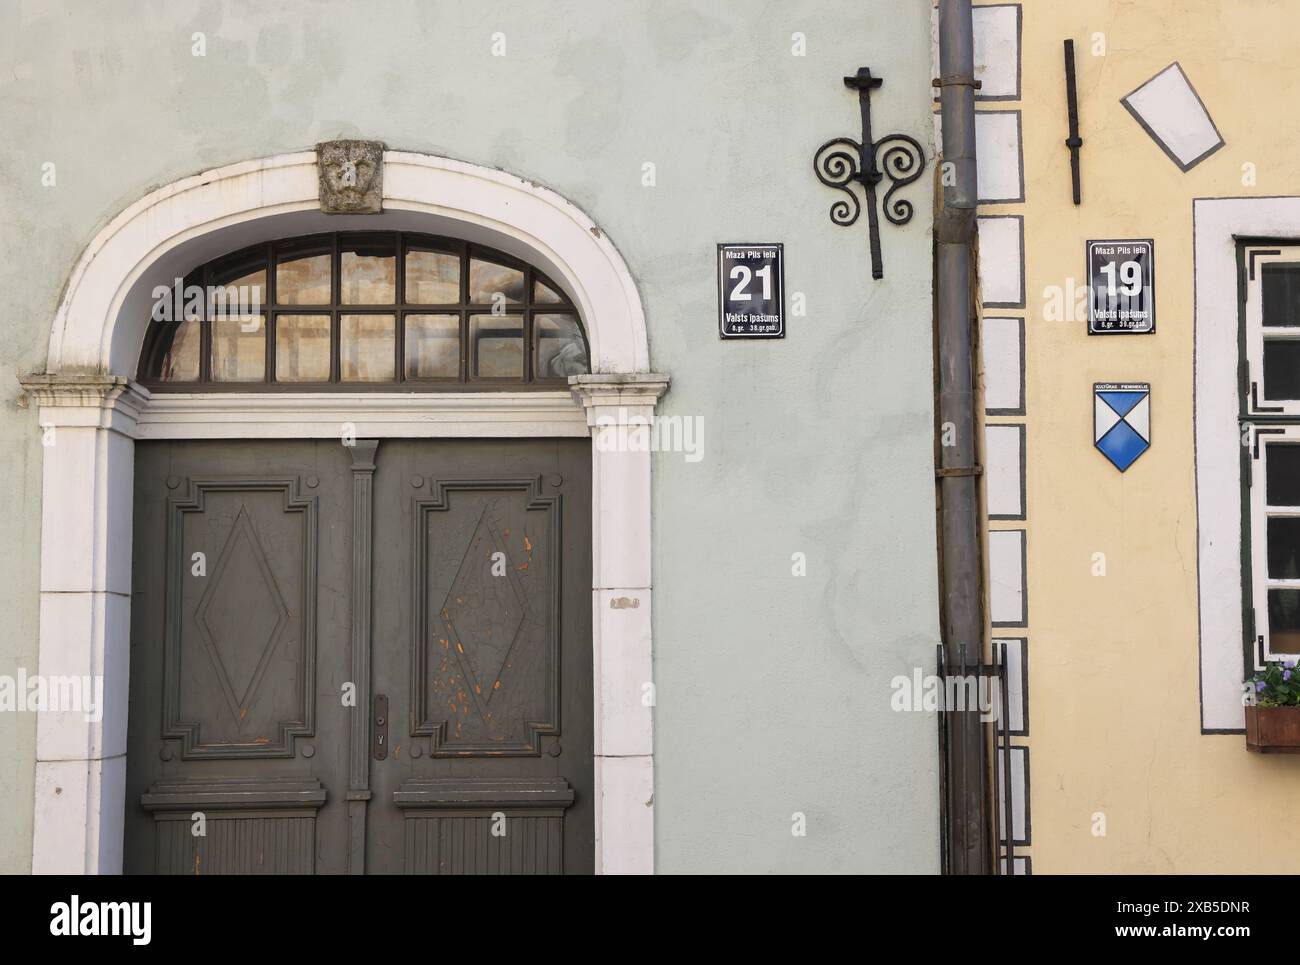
(1113, 670)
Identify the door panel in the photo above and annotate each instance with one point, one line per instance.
(237, 656)
(251, 615)
(485, 676)
(483, 648)
(477, 719)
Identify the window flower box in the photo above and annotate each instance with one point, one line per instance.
(1273, 718)
(1273, 730)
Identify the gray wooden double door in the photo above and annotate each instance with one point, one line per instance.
(366, 658)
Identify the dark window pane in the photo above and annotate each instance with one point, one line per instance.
(1281, 369)
(1283, 483)
(560, 349)
(432, 278)
(238, 349)
(302, 348)
(491, 284)
(1284, 621)
(302, 276)
(433, 346)
(369, 270)
(226, 270)
(180, 363)
(367, 344)
(496, 346)
(545, 294)
(1284, 548)
(1280, 285)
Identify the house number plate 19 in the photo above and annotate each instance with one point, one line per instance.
(1122, 280)
(751, 291)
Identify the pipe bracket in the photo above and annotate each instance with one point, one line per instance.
(957, 80)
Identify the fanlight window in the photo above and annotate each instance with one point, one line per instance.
(362, 311)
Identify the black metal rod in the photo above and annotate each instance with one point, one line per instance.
(941, 673)
(873, 234)
(868, 172)
(997, 797)
(1006, 752)
(1074, 141)
(864, 84)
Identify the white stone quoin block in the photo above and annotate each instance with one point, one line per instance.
(1001, 261)
(79, 814)
(1007, 576)
(625, 727)
(1004, 464)
(625, 815)
(1003, 364)
(999, 174)
(67, 619)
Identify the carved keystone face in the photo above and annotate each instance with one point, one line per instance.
(351, 177)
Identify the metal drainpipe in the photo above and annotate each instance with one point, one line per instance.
(960, 551)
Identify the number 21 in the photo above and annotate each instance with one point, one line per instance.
(744, 274)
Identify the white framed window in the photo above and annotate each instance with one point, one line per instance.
(1273, 330)
(1234, 239)
(1270, 422)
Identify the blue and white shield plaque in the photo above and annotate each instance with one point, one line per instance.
(1121, 421)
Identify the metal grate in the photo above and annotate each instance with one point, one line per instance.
(957, 773)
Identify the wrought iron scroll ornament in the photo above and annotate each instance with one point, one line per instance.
(843, 160)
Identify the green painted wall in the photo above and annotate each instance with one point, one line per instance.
(773, 690)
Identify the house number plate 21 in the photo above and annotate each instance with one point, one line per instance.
(751, 291)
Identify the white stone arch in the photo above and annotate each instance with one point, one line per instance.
(92, 412)
(95, 331)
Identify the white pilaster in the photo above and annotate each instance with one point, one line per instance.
(85, 624)
(619, 410)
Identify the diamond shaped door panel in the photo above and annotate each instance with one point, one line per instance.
(240, 640)
(486, 649)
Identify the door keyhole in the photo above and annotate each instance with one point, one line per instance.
(381, 727)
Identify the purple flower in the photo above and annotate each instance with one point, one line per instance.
(1260, 686)
(1286, 674)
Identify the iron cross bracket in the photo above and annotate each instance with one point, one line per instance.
(842, 160)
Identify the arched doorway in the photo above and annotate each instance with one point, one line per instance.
(362, 654)
(97, 410)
